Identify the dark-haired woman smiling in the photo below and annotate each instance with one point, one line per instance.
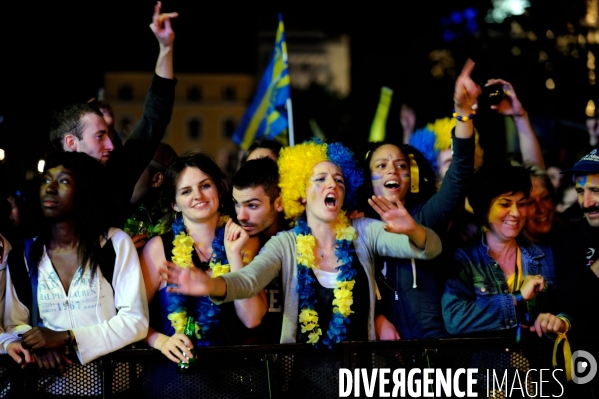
(501, 277)
(195, 187)
(90, 294)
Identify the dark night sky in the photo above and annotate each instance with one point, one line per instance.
(57, 53)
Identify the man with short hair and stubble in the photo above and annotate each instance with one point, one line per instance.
(256, 198)
(81, 127)
(257, 202)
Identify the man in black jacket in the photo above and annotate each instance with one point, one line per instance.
(81, 127)
(581, 293)
(586, 231)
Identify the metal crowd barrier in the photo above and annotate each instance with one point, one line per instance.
(297, 371)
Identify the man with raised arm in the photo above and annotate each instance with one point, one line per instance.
(81, 127)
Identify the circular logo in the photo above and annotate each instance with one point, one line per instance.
(590, 253)
(583, 363)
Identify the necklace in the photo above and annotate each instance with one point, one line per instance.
(308, 316)
(208, 258)
(321, 252)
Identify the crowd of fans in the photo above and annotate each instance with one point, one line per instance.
(304, 244)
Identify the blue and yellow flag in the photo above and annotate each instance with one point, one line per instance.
(266, 117)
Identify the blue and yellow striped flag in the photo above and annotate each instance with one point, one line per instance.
(266, 117)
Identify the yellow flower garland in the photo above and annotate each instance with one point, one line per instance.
(182, 251)
(308, 317)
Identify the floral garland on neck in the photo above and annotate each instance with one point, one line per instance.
(308, 317)
(207, 311)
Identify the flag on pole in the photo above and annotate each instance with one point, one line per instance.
(267, 116)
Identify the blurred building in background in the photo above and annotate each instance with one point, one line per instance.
(207, 109)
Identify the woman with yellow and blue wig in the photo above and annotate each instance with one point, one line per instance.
(326, 261)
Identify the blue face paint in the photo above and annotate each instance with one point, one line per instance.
(376, 177)
(581, 180)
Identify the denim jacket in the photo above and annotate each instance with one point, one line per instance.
(478, 299)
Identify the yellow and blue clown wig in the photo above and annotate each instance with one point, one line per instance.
(295, 169)
(436, 137)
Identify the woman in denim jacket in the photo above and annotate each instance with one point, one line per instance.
(502, 280)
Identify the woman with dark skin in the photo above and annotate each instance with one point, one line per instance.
(410, 307)
(83, 313)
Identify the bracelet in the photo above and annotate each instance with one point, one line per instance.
(461, 118)
(519, 298)
(566, 321)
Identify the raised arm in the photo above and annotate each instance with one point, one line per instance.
(139, 149)
(437, 212)
(465, 99)
(511, 106)
(159, 102)
(161, 26)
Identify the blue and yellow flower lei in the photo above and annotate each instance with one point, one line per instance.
(308, 317)
(207, 311)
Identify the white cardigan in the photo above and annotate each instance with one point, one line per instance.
(103, 321)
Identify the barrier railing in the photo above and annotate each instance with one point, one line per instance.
(300, 371)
